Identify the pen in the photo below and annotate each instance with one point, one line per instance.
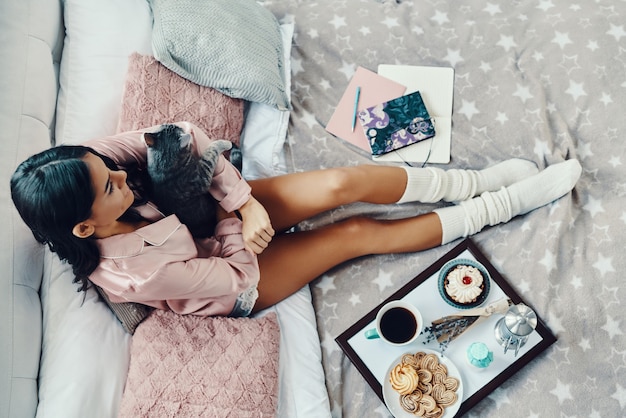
(356, 102)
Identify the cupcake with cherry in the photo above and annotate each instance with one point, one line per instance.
(464, 283)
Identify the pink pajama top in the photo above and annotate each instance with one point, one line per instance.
(161, 264)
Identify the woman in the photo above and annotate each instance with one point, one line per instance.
(77, 200)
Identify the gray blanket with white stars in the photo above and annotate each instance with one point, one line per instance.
(542, 80)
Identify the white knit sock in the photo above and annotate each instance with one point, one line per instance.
(434, 184)
(492, 208)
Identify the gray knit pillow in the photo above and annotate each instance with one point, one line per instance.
(233, 46)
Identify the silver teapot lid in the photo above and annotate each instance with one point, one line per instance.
(520, 320)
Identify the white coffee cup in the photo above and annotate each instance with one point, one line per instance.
(397, 323)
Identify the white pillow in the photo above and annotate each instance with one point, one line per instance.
(302, 391)
(265, 127)
(99, 38)
(85, 351)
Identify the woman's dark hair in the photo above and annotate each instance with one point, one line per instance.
(52, 192)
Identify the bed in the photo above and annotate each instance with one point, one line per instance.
(540, 80)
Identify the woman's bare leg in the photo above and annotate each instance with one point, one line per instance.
(293, 260)
(292, 198)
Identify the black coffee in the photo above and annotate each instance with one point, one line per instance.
(398, 325)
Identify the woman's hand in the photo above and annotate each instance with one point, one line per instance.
(257, 227)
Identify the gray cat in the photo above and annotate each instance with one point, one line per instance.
(180, 179)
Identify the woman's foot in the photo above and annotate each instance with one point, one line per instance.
(492, 208)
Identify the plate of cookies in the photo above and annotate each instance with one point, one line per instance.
(423, 384)
(464, 283)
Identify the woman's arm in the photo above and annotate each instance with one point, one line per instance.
(125, 149)
(257, 227)
(169, 269)
(226, 274)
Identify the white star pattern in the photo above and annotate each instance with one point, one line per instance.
(468, 109)
(485, 66)
(617, 32)
(593, 206)
(541, 149)
(309, 119)
(383, 280)
(338, 22)
(523, 92)
(560, 356)
(615, 161)
(584, 150)
(548, 261)
(329, 344)
(440, 18)
(562, 392)
(606, 99)
(620, 395)
(327, 283)
(492, 9)
(592, 45)
(545, 5)
(575, 90)
(390, 22)
(604, 265)
(584, 344)
(612, 327)
(561, 39)
(453, 57)
(355, 299)
(348, 69)
(555, 324)
(296, 66)
(506, 42)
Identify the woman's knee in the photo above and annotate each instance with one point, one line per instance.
(343, 182)
(359, 229)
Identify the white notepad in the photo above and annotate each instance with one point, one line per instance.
(436, 85)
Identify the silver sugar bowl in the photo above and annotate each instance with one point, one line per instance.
(513, 329)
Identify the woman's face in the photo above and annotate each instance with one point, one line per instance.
(112, 195)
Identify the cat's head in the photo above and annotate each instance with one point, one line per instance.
(168, 137)
(168, 143)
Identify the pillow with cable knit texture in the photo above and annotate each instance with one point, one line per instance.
(233, 46)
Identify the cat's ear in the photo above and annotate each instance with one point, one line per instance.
(185, 140)
(149, 139)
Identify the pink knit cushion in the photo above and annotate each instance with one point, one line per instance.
(154, 95)
(189, 366)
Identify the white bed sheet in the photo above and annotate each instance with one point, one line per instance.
(84, 347)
